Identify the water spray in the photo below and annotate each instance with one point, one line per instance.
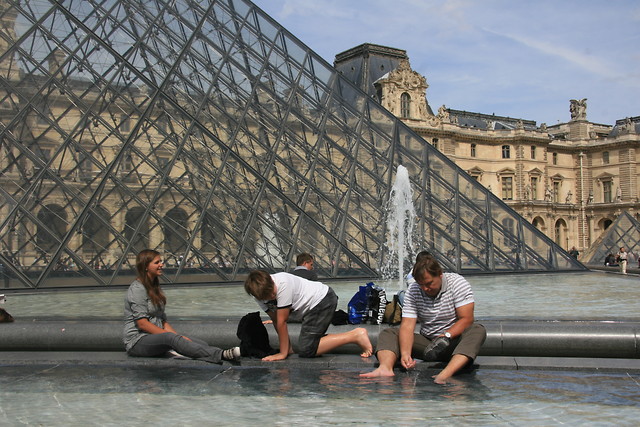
(401, 216)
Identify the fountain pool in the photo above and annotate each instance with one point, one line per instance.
(114, 396)
(191, 393)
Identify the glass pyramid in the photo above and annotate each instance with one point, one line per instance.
(205, 130)
(624, 232)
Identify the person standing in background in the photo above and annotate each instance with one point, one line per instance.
(622, 260)
(574, 252)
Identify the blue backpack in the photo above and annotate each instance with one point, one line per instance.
(367, 305)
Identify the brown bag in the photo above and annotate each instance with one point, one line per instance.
(393, 312)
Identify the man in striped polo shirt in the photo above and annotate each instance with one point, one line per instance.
(443, 304)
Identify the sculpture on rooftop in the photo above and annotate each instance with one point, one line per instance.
(578, 109)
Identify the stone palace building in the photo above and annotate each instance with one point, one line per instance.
(571, 180)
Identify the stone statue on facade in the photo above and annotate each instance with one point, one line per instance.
(578, 109)
(569, 197)
(590, 199)
(527, 192)
(618, 195)
(628, 126)
(443, 114)
(547, 195)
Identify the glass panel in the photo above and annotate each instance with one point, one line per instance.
(221, 141)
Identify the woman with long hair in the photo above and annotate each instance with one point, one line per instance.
(146, 330)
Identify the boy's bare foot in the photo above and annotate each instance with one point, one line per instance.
(364, 342)
(379, 372)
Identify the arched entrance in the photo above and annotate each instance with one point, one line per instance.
(561, 233)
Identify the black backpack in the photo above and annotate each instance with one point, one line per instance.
(254, 339)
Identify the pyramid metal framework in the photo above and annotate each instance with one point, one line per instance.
(624, 232)
(205, 130)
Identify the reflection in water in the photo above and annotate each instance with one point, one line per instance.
(94, 395)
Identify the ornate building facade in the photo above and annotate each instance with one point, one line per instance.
(570, 180)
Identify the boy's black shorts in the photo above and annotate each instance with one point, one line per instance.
(315, 324)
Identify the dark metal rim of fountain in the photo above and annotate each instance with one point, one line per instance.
(531, 338)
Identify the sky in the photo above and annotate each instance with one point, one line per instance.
(517, 58)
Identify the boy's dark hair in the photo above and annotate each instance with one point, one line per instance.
(303, 257)
(259, 284)
(427, 264)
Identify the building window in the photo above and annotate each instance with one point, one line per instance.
(606, 191)
(45, 154)
(605, 157)
(556, 191)
(473, 150)
(125, 123)
(85, 168)
(507, 188)
(49, 235)
(176, 225)
(161, 124)
(43, 114)
(405, 105)
(134, 219)
(127, 163)
(534, 188)
(554, 158)
(163, 162)
(533, 152)
(509, 227)
(96, 234)
(434, 142)
(506, 152)
(561, 232)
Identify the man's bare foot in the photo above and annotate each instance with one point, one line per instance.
(441, 379)
(379, 372)
(364, 342)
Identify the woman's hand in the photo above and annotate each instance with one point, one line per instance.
(168, 328)
(146, 326)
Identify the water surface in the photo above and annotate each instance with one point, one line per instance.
(598, 296)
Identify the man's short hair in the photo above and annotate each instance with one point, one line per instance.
(427, 264)
(421, 255)
(259, 284)
(303, 258)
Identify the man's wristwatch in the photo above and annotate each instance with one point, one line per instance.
(448, 335)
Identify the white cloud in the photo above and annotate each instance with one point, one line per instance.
(594, 64)
(524, 59)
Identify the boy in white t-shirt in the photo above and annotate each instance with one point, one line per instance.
(282, 293)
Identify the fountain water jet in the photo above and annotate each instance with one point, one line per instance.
(401, 216)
